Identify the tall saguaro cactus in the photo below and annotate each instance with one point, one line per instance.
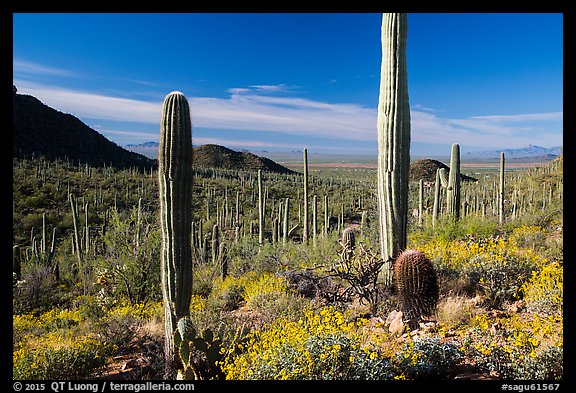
(501, 191)
(305, 222)
(393, 141)
(261, 209)
(175, 190)
(451, 182)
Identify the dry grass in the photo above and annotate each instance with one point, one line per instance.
(456, 310)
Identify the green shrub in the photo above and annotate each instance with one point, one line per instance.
(499, 280)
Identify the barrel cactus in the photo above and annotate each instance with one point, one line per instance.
(175, 191)
(416, 285)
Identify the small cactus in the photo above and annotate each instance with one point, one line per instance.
(416, 284)
(199, 354)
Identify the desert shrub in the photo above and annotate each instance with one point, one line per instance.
(528, 236)
(544, 292)
(134, 271)
(73, 343)
(546, 364)
(498, 279)
(428, 358)
(35, 291)
(58, 357)
(203, 279)
(248, 256)
(119, 325)
(23, 325)
(228, 294)
(325, 345)
(495, 267)
(59, 319)
(319, 345)
(516, 347)
(270, 295)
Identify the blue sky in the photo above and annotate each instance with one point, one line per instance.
(281, 82)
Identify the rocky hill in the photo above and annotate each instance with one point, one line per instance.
(39, 130)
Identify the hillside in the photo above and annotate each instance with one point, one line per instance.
(426, 169)
(216, 156)
(40, 130)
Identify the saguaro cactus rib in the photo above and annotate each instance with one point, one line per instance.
(393, 140)
(175, 190)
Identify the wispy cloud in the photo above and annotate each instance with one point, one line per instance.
(28, 67)
(258, 109)
(93, 105)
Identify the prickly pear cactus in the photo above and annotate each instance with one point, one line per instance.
(416, 284)
(199, 354)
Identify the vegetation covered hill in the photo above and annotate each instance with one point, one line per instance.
(216, 156)
(39, 130)
(426, 169)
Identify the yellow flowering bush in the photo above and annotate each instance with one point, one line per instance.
(544, 292)
(325, 345)
(125, 309)
(521, 346)
(270, 295)
(320, 345)
(69, 344)
(59, 357)
(496, 266)
(528, 236)
(27, 325)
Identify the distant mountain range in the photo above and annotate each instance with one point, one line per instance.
(150, 149)
(519, 153)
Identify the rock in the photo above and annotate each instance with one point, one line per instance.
(130, 364)
(396, 324)
(391, 316)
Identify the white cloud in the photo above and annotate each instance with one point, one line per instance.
(259, 108)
